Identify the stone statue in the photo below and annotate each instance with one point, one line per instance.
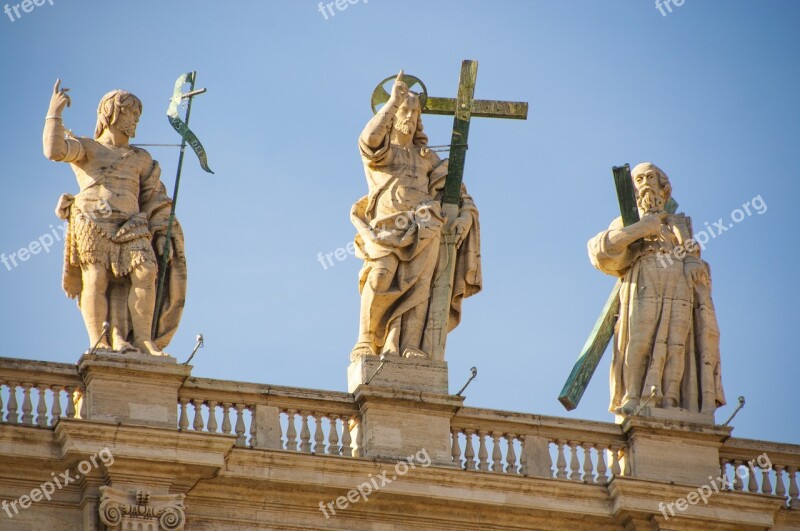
(110, 262)
(666, 339)
(399, 226)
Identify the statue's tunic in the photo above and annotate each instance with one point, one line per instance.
(403, 209)
(659, 307)
(121, 206)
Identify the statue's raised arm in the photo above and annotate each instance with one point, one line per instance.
(54, 142)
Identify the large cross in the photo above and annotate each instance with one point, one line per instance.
(462, 108)
(603, 330)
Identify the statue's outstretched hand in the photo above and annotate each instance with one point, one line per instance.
(59, 100)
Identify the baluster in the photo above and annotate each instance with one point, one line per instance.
(305, 434)
(615, 471)
(212, 417)
(752, 484)
(241, 440)
(497, 456)
(511, 455)
(226, 418)
(359, 440)
(723, 468)
(70, 402)
(333, 436)
(55, 410)
(253, 427)
(291, 432)
(82, 409)
(588, 470)
(183, 420)
(197, 425)
(737, 479)
(780, 488)
(455, 449)
(12, 417)
(27, 407)
(561, 461)
(794, 493)
(574, 465)
(469, 451)
(483, 453)
(41, 407)
(602, 479)
(319, 437)
(523, 457)
(766, 484)
(626, 466)
(347, 442)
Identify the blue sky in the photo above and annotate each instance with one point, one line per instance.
(708, 92)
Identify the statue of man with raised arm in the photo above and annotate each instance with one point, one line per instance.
(399, 226)
(110, 262)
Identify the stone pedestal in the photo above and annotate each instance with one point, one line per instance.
(397, 424)
(674, 451)
(132, 388)
(414, 374)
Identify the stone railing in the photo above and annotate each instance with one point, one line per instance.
(38, 393)
(762, 467)
(537, 446)
(274, 417)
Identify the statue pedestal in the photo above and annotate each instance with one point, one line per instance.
(405, 408)
(414, 374)
(398, 424)
(132, 388)
(674, 451)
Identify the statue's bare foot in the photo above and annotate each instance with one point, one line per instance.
(362, 348)
(415, 353)
(151, 348)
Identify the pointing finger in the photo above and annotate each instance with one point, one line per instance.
(55, 87)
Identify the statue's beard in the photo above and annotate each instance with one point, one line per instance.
(128, 130)
(650, 200)
(404, 126)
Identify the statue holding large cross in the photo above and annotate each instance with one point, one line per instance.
(666, 337)
(418, 228)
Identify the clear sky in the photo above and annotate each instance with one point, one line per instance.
(708, 92)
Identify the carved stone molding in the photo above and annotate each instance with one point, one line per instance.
(128, 510)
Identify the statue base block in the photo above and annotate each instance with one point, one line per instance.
(132, 387)
(680, 452)
(412, 374)
(400, 425)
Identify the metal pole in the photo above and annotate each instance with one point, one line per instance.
(162, 275)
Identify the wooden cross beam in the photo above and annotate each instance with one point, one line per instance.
(603, 330)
